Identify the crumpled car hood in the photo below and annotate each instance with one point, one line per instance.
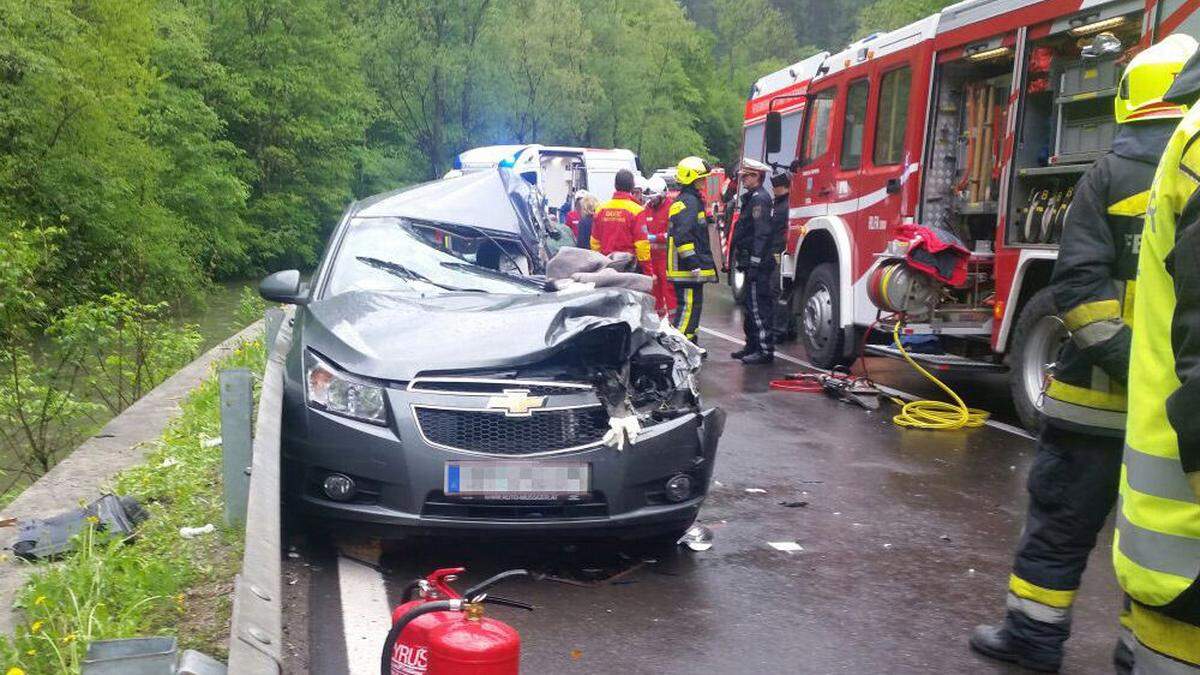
(399, 336)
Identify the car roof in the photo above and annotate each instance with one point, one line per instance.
(494, 199)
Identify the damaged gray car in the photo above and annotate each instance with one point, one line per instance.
(445, 376)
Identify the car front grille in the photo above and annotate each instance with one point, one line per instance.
(494, 433)
(483, 387)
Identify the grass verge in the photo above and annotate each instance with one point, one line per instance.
(156, 583)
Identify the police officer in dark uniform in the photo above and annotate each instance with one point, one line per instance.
(1076, 472)
(753, 240)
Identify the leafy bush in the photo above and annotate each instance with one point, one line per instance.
(250, 307)
(123, 348)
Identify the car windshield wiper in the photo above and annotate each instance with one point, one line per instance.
(405, 273)
(489, 272)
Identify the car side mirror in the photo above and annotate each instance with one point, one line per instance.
(773, 132)
(283, 287)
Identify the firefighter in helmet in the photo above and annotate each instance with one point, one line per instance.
(1075, 474)
(689, 256)
(753, 252)
(1156, 553)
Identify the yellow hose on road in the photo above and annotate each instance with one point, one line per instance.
(934, 415)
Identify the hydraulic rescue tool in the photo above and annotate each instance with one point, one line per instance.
(437, 631)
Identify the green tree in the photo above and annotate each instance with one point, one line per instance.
(422, 60)
(295, 103)
(886, 15)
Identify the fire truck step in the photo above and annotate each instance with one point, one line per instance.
(939, 361)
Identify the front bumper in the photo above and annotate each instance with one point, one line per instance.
(400, 478)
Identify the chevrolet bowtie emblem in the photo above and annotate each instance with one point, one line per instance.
(516, 403)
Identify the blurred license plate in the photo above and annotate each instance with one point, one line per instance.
(516, 479)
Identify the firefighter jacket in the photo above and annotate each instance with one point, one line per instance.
(689, 256)
(1094, 283)
(752, 234)
(618, 226)
(779, 224)
(1156, 552)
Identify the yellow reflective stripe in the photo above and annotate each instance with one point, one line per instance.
(689, 296)
(1046, 596)
(704, 274)
(685, 248)
(1101, 400)
(676, 207)
(1166, 635)
(1090, 312)
(1127, 302)
(642, 248)
(1134, 206)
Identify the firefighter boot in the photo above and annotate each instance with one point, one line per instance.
(758, 358)
(1000, 642)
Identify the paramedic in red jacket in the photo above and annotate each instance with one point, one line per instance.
(657, 219)
(618, 224)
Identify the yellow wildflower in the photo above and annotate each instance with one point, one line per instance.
(35, 626)
(14, 671)
(68, 638)
(39, 600)
(31, 652)
(93, 519)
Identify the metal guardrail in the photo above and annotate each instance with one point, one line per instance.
(256, 633)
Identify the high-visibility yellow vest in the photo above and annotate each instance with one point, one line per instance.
(1157, 549)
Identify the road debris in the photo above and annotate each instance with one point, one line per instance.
(785, 546)
(39, 539)
(793, 505)
(210, 442)
(697, 538)
(193, 532)
(756, 491)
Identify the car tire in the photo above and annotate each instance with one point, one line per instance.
(817, 318)
(1037, 337)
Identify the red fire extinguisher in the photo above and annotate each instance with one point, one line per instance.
(440, 632)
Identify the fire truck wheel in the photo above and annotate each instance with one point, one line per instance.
(817, 315)
(1036, 340)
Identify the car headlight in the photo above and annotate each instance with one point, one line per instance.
(332, 390)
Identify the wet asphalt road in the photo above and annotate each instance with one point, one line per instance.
(906, 538)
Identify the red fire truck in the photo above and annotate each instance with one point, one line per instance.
(977, 120)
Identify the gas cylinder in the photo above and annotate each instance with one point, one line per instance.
(443, 633)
